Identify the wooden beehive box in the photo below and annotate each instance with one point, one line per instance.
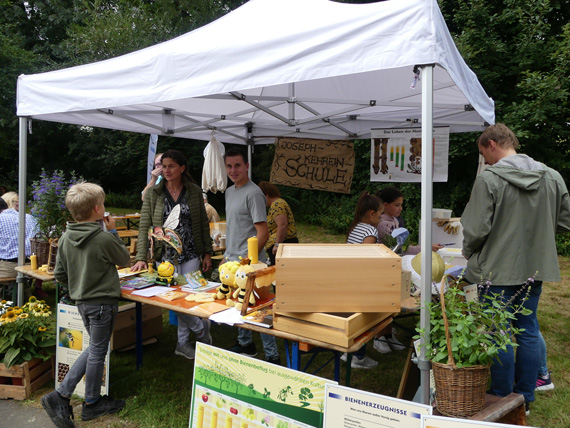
(336, 328)
(337, 278)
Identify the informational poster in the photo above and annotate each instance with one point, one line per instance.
(396, 155)
(233, 390)
(348, 407)
(313, 164)
(72, 339)
(445, 422)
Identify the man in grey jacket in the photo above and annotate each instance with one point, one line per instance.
(517, 206)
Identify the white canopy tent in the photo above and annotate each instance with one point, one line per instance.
(302, 68)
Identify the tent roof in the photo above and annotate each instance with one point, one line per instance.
(302, 68)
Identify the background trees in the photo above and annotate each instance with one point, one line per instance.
(520, 52)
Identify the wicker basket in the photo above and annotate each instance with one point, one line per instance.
(41, 249)
(460, 392)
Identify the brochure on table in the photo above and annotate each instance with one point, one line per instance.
(72, 339)
(445, 422)
(233, 390)
(348, 407)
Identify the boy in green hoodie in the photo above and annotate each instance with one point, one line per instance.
(86, 261)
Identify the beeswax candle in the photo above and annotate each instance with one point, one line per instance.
(252, 250)
(34, 261)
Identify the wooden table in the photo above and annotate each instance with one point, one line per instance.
(130, 220)
(299, 344)
(35, 273)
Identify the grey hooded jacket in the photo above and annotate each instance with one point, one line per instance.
(509, 225)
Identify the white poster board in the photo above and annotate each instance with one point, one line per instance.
(396, 155)
(72, 340)
(446, 422)
(348, 407)
(233, 390)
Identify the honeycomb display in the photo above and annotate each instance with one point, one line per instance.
(62, 370)
(165, 273)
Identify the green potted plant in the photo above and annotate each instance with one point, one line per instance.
(466, 336)
(26, 333)
(48, 208)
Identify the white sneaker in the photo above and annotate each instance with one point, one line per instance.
(365, 363)
(381, 345)
(395, 344)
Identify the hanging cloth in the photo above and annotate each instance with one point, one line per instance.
(214, 177)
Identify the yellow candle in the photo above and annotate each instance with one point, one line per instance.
(228, 421)
(34, 261)
(252, 250)
(214, 419)
(200, 421)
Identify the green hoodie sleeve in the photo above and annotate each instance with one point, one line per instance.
(477, 217)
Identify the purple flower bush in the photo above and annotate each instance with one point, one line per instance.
(48, 203)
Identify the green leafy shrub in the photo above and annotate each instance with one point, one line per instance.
(123, 200)
(479, 329)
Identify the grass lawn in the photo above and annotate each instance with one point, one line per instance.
(158, 395)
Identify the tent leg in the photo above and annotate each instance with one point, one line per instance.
(426, 221)
(23, 122)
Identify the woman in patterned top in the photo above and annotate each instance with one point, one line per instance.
(178, 189)
(280, 220)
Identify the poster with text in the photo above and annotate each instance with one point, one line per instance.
(348, 407)
(396, 155)
(72, 339)
(313, 164)
(445, 422)
(235, 391)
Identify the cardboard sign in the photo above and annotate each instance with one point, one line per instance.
(313, 164)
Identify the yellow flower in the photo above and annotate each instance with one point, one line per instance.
(23, 316)
(32, 299)
(42, 328)
(3, 302)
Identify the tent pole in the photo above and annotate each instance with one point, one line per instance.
(426, 222)
(21, 280)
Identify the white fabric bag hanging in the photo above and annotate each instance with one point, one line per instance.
(214, 177)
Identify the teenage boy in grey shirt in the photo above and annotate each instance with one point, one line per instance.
(246, 217)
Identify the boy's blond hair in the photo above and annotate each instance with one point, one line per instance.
(81, 198)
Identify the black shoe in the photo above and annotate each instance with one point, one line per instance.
(59, 409)
(104, 406)
(274, 360)
(250, 350)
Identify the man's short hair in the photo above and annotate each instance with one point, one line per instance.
(81, 198)
(236, 151)
(3, 205)
(500, 134)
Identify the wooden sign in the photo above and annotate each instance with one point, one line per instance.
(313, 164)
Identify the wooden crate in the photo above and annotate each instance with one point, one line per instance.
(19, 382)
(337, 278)
(336, 328)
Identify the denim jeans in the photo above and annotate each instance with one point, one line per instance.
(245, 337)
(524, 371)
(542, 366)
(187, 322)
(98, 320)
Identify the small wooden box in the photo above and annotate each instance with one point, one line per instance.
(336, 328)
(337, 278)
(19, 382)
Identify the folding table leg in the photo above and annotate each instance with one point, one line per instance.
(139, 334)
